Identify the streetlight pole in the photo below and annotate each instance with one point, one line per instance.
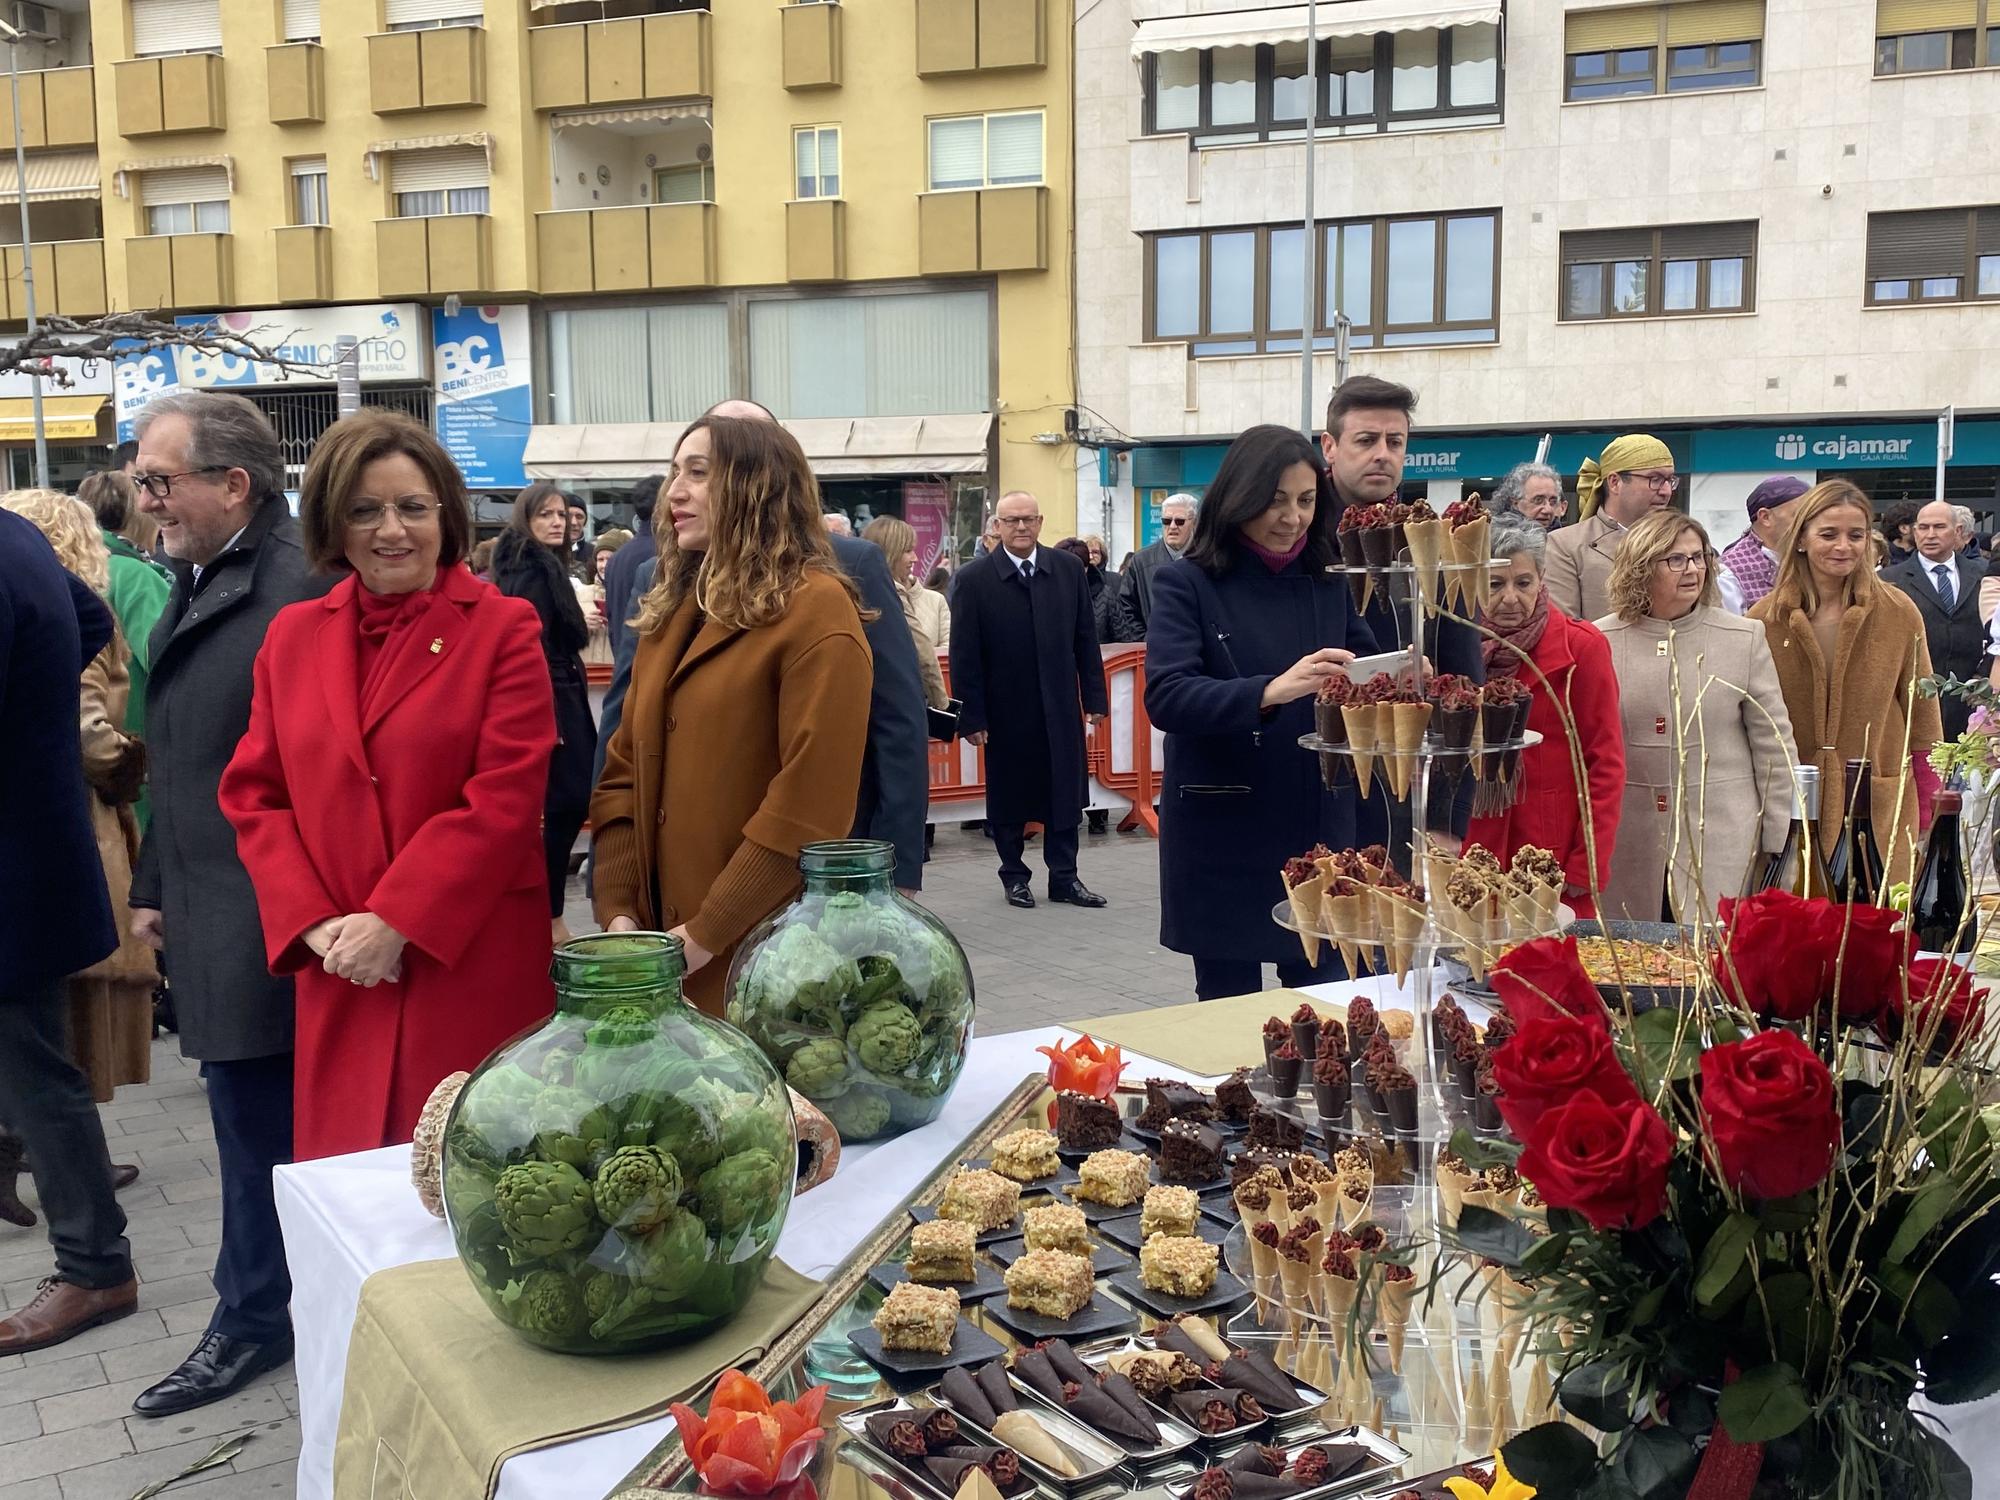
(13, 38)
(1308, 246)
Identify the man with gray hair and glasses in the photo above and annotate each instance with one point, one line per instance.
(1135, 583)
(211, 473)
(1534, 491)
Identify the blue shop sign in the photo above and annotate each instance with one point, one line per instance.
(1863, 445)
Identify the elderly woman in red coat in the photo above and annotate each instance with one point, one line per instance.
(1566, 666)
(387, 797)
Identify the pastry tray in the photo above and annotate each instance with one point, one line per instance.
(1098, 1459)
(1301, 1421)
(908, 1482)
(1176, 1437)
(1389, 1457)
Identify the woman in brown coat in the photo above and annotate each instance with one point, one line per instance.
(1850, 650)
(748, 712)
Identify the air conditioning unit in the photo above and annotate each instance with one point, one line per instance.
(37, 23)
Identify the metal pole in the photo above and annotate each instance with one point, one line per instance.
(347, 375)
(1309, 247)
(27, 255)
(1946, 432)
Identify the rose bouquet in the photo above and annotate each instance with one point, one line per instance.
(1769, 1224)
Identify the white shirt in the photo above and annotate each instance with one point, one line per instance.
(1021, 563)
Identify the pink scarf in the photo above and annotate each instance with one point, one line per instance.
(1505, 655)
(1277, 562)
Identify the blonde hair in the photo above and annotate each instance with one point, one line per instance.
(1644, 543)
(1795, 588)
(895, 536)
(71, 529)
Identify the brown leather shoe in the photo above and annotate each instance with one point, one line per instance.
(61, 1310)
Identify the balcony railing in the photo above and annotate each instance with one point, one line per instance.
(441, 68)
(58, 108)
(305, 262)
(990, 229)
(170, 95)
(970, 36)
(296, 77)
(180, 270)
(69, 279)
(646, 247)
(446, 253)
(620, 62)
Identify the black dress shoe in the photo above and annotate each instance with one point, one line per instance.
(123, 1175)
(1019, 895)
(220, 1366)
(1076, 893)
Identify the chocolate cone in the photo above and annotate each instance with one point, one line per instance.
(1359, 585)
(1285, 1076)
(1100, 1413)
(1208, 1412)
(1343, 1459)
(1066, 1364)
(1263, 1486)
(1255, 1458)
(1305, 1037)
(1119, 1388)
(965, 1397)
(1255, 1371)
(1378, 545)
(996, 1388)
(1511, 761)
(1172, 1336)
(1333, 1100)
(1403, 1107)
(898, 1434)
(1033, 1367)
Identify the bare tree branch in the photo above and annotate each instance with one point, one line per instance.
(128, 335)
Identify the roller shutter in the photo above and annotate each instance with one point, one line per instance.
(160, 27)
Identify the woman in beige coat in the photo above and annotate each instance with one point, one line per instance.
(1708, 744)
(1850, 650)
(926, 612)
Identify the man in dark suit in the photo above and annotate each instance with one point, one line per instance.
(210, 471)
(1944, 584)
(58, 920)
(621, 574)
(1025, 663)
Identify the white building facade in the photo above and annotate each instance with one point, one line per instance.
(1766, 230)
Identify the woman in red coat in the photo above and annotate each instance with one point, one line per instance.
(387, 797)
(1581, 688)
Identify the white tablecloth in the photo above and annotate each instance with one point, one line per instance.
(347, 1217)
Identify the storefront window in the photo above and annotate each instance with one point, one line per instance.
(626, 364)
(898, 355)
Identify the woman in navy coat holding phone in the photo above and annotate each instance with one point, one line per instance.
(1244, 629)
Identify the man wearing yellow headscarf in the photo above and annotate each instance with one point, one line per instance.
(1633, 476)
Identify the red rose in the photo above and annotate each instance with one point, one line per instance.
(1938, 987)
(1773, 954)
(1545, 977)
(1547, 1061)
(1608, 1162)
(1871, 947)
(1771, 1114)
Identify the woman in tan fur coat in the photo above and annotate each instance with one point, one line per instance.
(1850, 651)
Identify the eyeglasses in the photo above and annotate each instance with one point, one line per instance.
(1018, 521)
(160, 486)
(369, 516)
(1173, 520)
(1660, 484)
(1680, 562)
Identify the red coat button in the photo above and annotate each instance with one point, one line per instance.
(1660, 724)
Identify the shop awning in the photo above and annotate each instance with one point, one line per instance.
(62, 417)
(837, 447)
(56, 174)
(638, 114)
(1287, 23)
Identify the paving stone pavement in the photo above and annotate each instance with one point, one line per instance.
(66, 1427)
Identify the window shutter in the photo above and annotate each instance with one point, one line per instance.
(1609, 30)
(309, 166)
(1014, 148)
(1986, 232)
(416, 12)
(1696, 23)
(1698, 241)
(1907, 247)
(438, 170)
(183, 185)
(957, 151)
(164, 26)
(1607, 244)
(1901, 17)
(302, 20)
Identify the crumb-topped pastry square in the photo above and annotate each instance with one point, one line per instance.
(940, 1251)
(1026, 1155)
(1178, 1265)
(918, 1317)
(983, 1199)
(1050, 1282)
(1168, 1210)
(1114, 1178)
(1056, 1226)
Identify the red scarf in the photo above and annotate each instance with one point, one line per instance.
(385, 620)
(1505, 655)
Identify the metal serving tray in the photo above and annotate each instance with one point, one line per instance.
(1098, 1459)
(1389, 1458)
(1176, 1436)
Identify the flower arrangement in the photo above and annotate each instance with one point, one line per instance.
(1083, 1067)
(1771, 1222)
(749, 1444)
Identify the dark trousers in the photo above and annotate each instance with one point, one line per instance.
(1058, 852)
(48, 1105)
(1220, 978)
(251, 1103)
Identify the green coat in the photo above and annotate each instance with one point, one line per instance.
(139, 591)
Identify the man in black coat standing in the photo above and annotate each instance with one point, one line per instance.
(1134, 604)
(210, 471)
(57, 920)
(1943, 583)
(1025, 664)
(621, 574)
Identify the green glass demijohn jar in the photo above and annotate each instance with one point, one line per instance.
(862, 997)
(616, 1180)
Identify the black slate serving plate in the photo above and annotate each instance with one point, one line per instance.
(1096, 1212)
(985, 1281)
(1104, 1259)
(1126, 1230)
(1662, 934)
(1064, 1173)
(1227, 1293)
(1097, 1317)
(969, 1346)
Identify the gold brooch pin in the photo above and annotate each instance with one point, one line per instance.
(437, 645)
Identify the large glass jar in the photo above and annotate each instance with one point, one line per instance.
(863, 998)
(617, 1179)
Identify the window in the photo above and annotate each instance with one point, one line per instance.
(420, 15)
(623, 364)
(185, 200)
(816, 150)
(1663, 49)
(1934, 255)
(301, 20)
(310, 204)
(161, 28)
(1933, 36)
(1401, 281)
(901, 354)
(971, 151)
(1426, 78)
(1675, 269)
(445, 180)
(692, 182)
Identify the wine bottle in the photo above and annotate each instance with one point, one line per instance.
(1938, 900)
(1799, 867)
(1855, 866)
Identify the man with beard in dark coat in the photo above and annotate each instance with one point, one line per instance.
(1025, 664)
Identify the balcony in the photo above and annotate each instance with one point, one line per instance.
(977, 36)
(296, 74)
(305, 263)
(816, 240)
(422, 257)
(170, 95)
(991, 229)
(69, 279)
(180, 270)
(811, 44)
(443, 68)
(620, 62)
(58, 108)
(656, 247)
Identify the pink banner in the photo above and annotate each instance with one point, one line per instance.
(927, 507)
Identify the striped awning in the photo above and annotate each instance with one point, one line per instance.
(56, 174)
(126, 169)
(371, 158)
(638, 114)
(1288, 23)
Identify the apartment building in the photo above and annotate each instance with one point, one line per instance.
(561, 230)
(1767, 230)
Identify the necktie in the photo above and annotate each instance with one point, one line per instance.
(1946, 591)
(1028, 572)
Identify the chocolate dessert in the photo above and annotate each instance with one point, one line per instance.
(1084, 1123)
(1167, 1100)
(1276, 1128)
(1332, 1089)
(1332, 1039)
(1234, 1100)
(898, 1434)
(1190, 1153)
(1305, 1029)
(1286, 1064)
(1276, 1034)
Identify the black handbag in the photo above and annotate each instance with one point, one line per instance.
(944, 721)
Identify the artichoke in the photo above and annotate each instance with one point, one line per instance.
(636, 1187)
(859, 1114)
(570, 1126)
(549, 1305)
(601, 1291)
(851, 924)
(886, 1037)
(756, 1124)
(797, 978)
(483, 1245)
(880, 980)
(545, 1207)
(743, 1189)
(468, 1185)
(621, 1026)
(671, 1258)
(819, 1069)
(492, 1117)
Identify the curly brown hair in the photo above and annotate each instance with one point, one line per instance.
(1650, 538)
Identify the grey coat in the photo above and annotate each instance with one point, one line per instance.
(1135, 591)
(229, 1005)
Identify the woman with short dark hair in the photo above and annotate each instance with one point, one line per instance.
(387, 796)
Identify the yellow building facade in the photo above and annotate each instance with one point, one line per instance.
(860, 215)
